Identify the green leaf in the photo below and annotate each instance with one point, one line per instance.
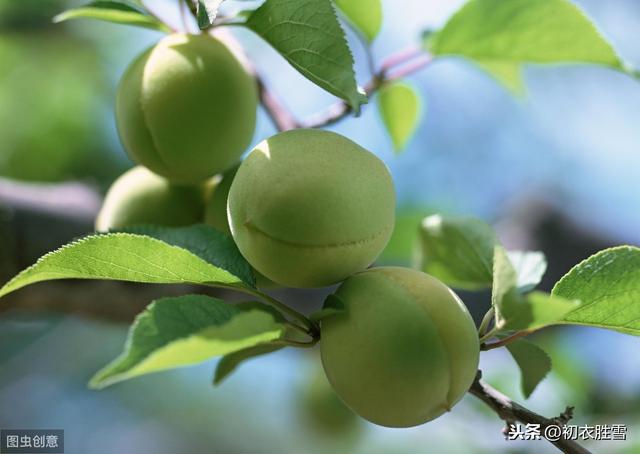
(501, 36)
(458, 251)
(608, 284)
(229, 363)
(332, 305)
(507, 73)
(123, 257)
(536, 310)
(308, 35)
(119, 12)
(533, 361)
(503, 289)
(207, 10)
(209, 244)
(364, 15)
(186, 330)
(515, 312)
(400, 107)
(530, 266)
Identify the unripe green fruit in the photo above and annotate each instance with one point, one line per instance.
(308, 208)
(141, 197)
(186, 108)
(404, 351)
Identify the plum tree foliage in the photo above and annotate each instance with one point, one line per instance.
(311, 208)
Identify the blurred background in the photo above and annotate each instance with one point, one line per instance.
(557, 171)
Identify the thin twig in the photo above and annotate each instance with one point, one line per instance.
(505, 341)
(282, 118)
(292, 343)
(411, 67)
(341, 109)
(510, 411)
(412, 59)
(400, 57)
(309, 326)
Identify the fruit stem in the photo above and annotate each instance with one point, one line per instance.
(300, 329)
(310, 327)
(296, 344)
(505, 341)
(487, 336)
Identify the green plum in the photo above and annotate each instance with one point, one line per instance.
(186, 108)
(142, 197)
(308, 208)
(404, 351)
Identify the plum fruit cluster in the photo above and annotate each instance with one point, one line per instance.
(185, 112)
(306, 208)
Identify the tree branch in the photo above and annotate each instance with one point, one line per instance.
(409, 60)
(505, 341)
(510, 411)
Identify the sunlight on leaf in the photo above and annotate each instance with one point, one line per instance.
(123, 257)
(364, 15)
(501, 36)
(608, 284)
(308, 35)
(186, 330)
(400, 109)
(119, 12)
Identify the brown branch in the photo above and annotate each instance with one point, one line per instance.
(510, 411)
(411, 60)
(400, 57)
(421, 61)
(502, 342)
(282, 118)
